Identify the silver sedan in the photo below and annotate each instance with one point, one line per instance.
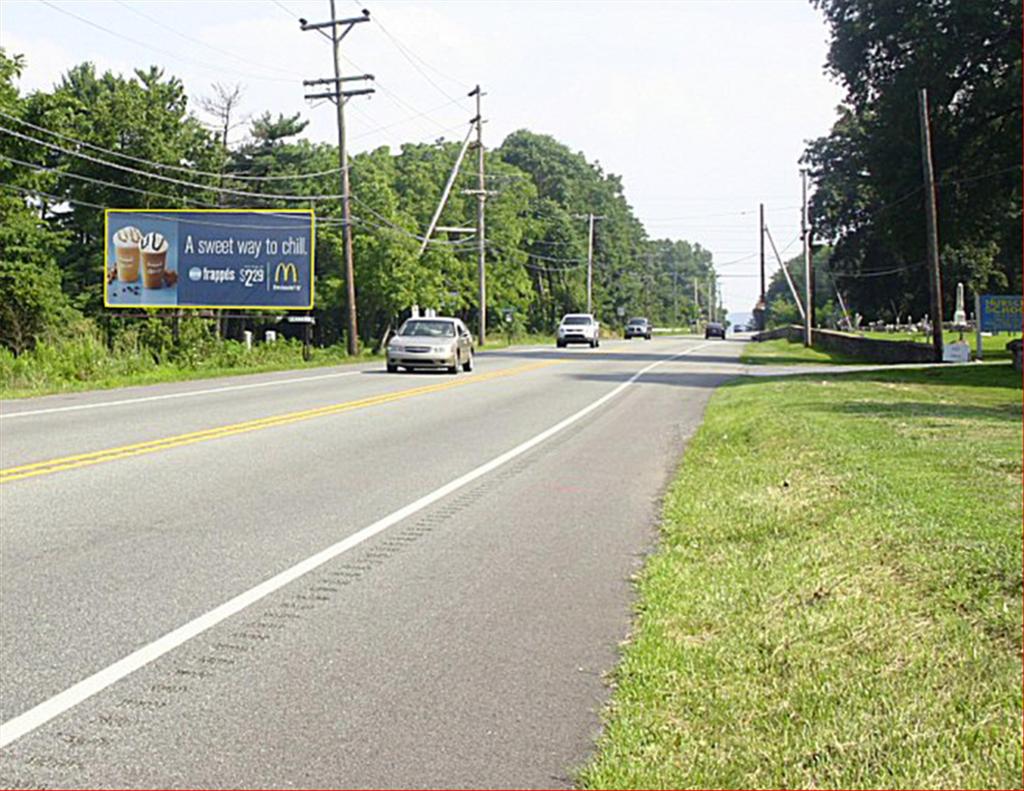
(431, 343)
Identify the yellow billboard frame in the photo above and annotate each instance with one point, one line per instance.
(312, 257)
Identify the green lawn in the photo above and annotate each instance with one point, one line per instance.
(993, 347)
(836, 600)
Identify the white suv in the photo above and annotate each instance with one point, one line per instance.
(578, 328)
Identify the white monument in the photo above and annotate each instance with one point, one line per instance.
(959, 316)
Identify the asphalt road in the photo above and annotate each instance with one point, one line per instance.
(333, 578)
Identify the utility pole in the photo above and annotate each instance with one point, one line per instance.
(481, 201)
(590, 217)
(763, 303)
(339, 97)
(675, 296)
(711, 299)
(935, 276)
(806, 234)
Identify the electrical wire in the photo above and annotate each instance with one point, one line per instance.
(101, 182)
(168, 179)
(464, 86)
(162, 166)
(201, 43)
(406, 53)
(57, 199)
(219, 69)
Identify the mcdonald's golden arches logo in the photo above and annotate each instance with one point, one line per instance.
(286, 272)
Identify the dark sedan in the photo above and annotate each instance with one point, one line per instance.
(714, 330)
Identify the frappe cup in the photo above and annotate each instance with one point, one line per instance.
(126, 253)
(154, 260)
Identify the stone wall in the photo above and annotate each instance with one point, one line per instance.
(867, 349)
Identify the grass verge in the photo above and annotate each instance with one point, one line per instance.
(68, 374)
(74, 367)
(836, 601)
(784, 352)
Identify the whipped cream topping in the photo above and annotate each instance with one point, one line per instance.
(154, 242)
(129, 235)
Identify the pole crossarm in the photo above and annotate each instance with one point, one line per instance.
(335, 95)
(336, 80)
(348, 22)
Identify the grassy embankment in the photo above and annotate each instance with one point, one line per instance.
(836, 601)
(784, 352)
(86, 364)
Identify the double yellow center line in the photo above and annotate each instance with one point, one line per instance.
(152, 446)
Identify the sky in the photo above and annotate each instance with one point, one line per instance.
(703, 108)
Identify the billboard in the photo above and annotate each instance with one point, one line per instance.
(213, 258)
(999, 313)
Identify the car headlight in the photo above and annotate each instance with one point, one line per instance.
(396, 347)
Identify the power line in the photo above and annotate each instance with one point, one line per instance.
(384, 89)
(201, 43)
(407, 54)
(168, 179)
(462, 85)
(80, 177)
(219, 69)
(423, 114)
(160, 165)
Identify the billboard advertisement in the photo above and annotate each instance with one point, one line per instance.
(214, 258)
(1000, 313)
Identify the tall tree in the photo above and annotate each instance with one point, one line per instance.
(869, 198)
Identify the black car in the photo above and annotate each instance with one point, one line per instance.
(714, 330)
(638, 328)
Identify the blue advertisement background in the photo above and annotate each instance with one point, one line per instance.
(214, 268)
(1001, 313)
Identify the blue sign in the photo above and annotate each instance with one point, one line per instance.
(242, 259)
(1000, 313)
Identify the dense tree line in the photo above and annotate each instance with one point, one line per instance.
(870, 200)
(106, 140)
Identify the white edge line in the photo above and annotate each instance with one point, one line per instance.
(186, 394)
(39, 715)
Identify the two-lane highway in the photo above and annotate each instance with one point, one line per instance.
(332, 578)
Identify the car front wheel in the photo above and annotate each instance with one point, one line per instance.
(468, 365)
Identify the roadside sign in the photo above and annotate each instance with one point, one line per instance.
(996, 313)
(1000, 313)
(230, 258)
(620, 310)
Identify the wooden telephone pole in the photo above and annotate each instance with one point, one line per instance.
(339, 97)
(481, 202)
(934, 273)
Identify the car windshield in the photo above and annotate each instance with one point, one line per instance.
(576, 320)
(428, 329)
(638, 321)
